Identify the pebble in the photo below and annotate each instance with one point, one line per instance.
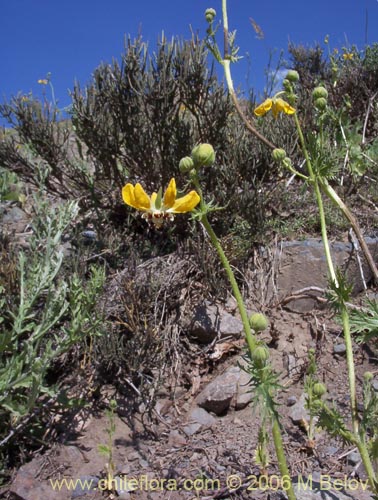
(375, 385)
(291, 400)
(331, 450)
(85, 486)
(354, 458)
(339, 349)
(89, 235)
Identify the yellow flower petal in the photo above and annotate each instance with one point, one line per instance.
(281, 106)
(128, 195)
(289, 110)
(263, 108)
(142, 200)
(170, 194)
(186, 203)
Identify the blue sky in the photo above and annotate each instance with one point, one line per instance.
(70, 38)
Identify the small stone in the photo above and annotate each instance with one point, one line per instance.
(85, 486)
(15, 214)
(354, 458)
(89, 236)
(331, 450)
(339, 349)
(198, 418)
(375, 385)
(299, 413)
(244, 391)
(291, 400)
(176, 440)
(123, 486)
(217, 396)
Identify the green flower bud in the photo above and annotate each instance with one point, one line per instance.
(279, 154)
(286, 84)
(186, 164)
(210, 14)
(260, 355)
(292, 76)
(193, 174)
(203, 155)
(368, 376)
(320, 103)
(319, 92)
(258, 322)
(319, 389)
(287, 162)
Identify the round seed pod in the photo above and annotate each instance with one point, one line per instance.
(203, 155)
(258, 322)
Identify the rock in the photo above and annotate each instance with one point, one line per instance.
(176, 439)
(375, 385)
(354, 458)
(210, 321)
(331, 450)
(198, 419)
(123, 487)
(26, 486)
(14, 215)
(298, 412)
(302, 264)
(244, 393)
(339, 348)
(217, 396)
(89, 236)
(85, 486)
(291, 400)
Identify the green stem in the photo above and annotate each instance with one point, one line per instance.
(251, 341)
(250, 338)
(323, 227)
(344, 312)
(284, 470)
(362, 448)
(350, 364)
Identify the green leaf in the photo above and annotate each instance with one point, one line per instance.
(103, 449)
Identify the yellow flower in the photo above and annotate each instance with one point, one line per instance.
(348, 56)
(157, 209)
(43, 81)
(277, 105)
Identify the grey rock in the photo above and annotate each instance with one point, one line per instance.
(89, 236)
(291, 400)
(85, 486)
(176, 439)
(354, 458)
(14, 214)
(210, 321)
(217, 396)
(331, 450)
(302, 264)
(123, 487)
(339, 348)
(375, 385)
(244, 393)
(198, 419)
(298, 412)
(26, 486)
